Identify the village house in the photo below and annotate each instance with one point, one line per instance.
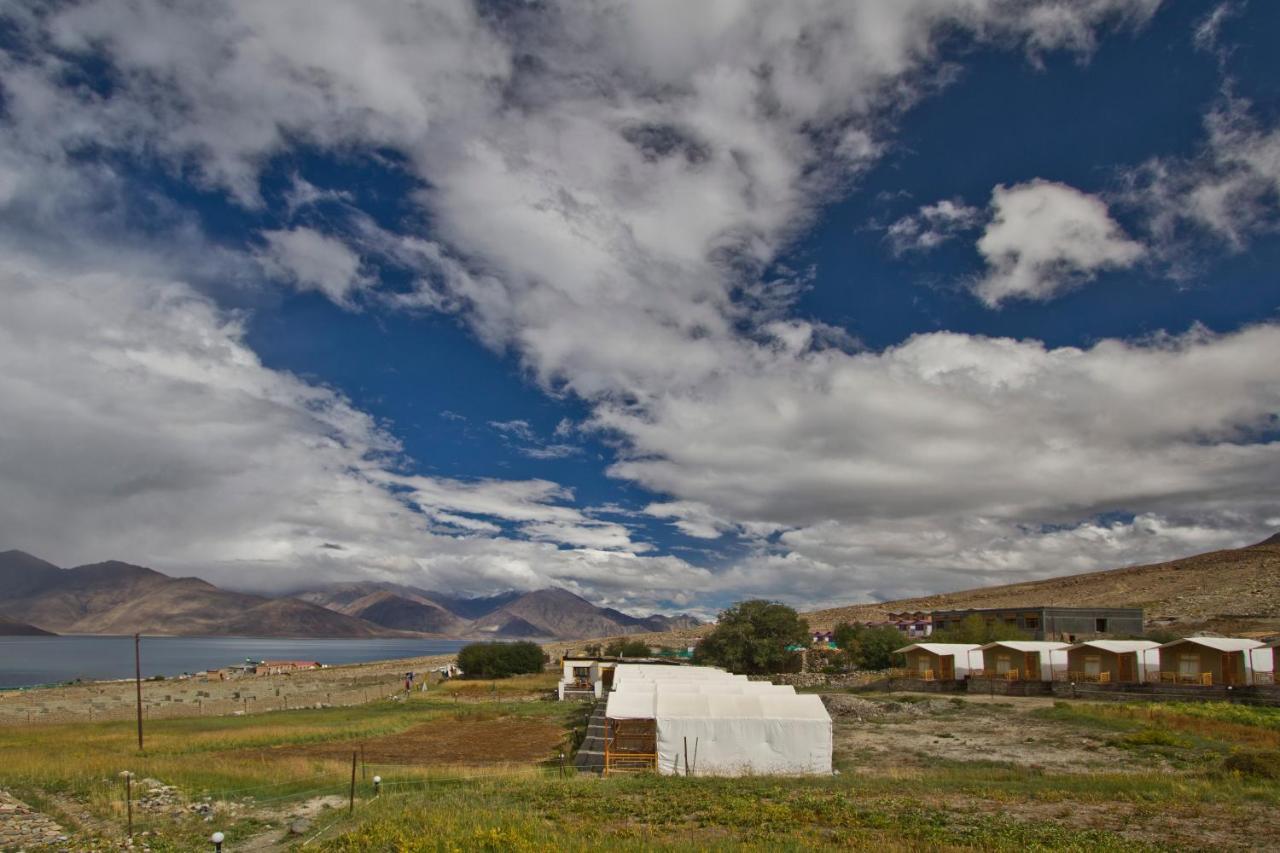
(1064, 624)
(1023, 660)
(1216, 660)
(940, 661)
(1112, 661)
(283, 667)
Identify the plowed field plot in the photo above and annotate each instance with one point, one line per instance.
(508, 740)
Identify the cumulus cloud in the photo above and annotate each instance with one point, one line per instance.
(1045, 237)
(314, 261)
(931, 226)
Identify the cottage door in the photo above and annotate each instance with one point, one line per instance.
(947, 668)
(1231, 673)
(1127, 667)
(1031, 666)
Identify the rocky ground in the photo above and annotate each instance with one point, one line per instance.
(24, 828)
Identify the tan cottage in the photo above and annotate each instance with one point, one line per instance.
(938, 661)
(1210, 660)
(1112, 661)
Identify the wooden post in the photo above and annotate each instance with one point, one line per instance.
(686, 756)
(128, 799)
(137, 681)
(351, 805)
(364, 768)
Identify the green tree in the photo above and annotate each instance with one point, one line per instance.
(500, 660)
(975, 629)
(623, 648)
(867, 648)
(752, 637)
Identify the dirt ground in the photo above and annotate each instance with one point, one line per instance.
(447, 741)
(872, 732)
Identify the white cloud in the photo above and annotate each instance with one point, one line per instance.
(604, 209)
(1045, 237)
(314, 261)
(1229, 191)
(136, 418)
(931, 226)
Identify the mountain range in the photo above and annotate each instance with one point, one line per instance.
(121, 598)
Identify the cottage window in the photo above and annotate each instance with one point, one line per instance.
(1100, 625)
(582, 673)
(1032, 622)
(1092, 665)
(1189, 665)
(1002, 664)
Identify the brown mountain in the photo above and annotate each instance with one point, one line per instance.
(1232, 591)
(547, 613)
(120, 598)
(9, 628)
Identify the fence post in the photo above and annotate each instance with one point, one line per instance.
(351, 804)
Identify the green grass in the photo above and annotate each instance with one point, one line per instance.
(652, 813)
(1204, 768)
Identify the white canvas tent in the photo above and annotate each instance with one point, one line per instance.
(730, 726)
(728, 735)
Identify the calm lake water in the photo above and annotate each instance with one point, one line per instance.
(25, 661)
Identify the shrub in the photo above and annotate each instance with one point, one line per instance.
(1262, 763)
(499, 660)
(627, 649)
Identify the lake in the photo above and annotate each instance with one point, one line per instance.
(27, 661)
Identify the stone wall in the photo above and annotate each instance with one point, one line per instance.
(822, 679)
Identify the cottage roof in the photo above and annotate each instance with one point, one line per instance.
(1026, 645)
(1118, 646)
(1222, 644)
(938, 648)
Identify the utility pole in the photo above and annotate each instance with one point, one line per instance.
(137, 681)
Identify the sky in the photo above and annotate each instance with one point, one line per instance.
(669, 304)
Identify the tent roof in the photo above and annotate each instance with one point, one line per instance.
(939, 648)
(807, 706)
(1118, 646)
(1027, 645)
(1222, 644)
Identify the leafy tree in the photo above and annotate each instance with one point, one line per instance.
(752, 637)
(622, 648)
(499, 660)
(975, 629)
(867, 648)
(593, 650)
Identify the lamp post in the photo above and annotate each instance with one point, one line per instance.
(217, 838)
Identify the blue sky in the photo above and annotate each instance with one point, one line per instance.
(669, 306)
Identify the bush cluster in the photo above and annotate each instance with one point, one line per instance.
(500, 660)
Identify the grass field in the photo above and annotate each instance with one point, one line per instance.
(1168, 777)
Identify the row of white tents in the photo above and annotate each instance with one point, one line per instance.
(1191, 660)
(698, 720)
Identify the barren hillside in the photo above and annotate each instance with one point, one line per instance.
(1236, 590)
